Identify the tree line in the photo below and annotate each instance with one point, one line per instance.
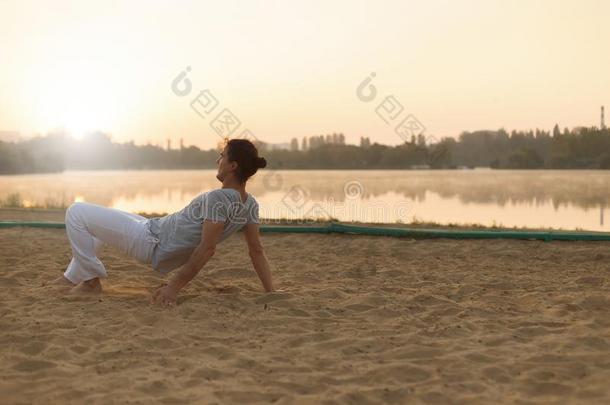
(580, 148)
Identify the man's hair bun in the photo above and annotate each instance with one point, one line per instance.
(262, 163)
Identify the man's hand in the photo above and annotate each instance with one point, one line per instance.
(165, 296)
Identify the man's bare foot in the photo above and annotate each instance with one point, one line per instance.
(93, 286)
(60, 282)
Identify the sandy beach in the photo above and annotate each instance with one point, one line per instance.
(361, 320)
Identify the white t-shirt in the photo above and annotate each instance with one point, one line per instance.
(179, 233)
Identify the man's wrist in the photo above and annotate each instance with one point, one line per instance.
(176, 284)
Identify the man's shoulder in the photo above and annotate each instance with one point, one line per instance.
(215, 194)
(228, 196)
(252, 201)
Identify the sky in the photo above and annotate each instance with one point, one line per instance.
(289, 69)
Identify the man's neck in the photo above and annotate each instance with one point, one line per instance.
(232, 183)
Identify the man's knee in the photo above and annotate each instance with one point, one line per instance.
(73, 209)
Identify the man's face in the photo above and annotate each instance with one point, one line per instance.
(224, 166)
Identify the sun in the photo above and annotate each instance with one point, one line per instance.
(79, 120)
(72, 96)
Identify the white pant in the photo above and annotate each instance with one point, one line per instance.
(90, 227)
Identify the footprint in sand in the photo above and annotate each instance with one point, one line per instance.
(359, 307)
(272, 297)
(229, 289)
(206, 373)
(79, 349)
(156, 387)
(31, 366)
(33, 348)
(233, 273)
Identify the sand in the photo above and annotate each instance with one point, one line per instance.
(362, 320)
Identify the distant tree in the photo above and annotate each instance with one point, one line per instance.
(583, 148)
(294, 144)
(525, 159)
(556, 131)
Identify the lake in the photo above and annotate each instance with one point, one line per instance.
(547, 198)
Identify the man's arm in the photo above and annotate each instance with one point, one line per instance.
(257, 255)
(211, 232)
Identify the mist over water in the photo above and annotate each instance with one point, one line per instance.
(536, 198)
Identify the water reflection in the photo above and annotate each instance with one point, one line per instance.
(561, 199)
